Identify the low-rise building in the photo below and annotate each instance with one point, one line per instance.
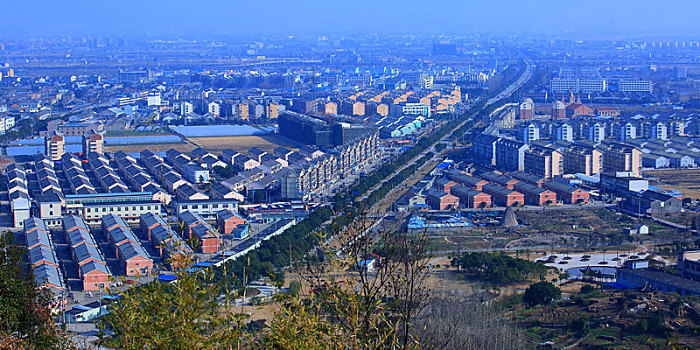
(229, 223)
(470, 198)
(504, 197)
(567, 194)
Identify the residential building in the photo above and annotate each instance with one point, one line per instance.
(93, 143)
(558, 110)
(530, 132)
(596, 132)
(582, 160)
(229, 223)
(564, 132)
(527, 108)
(510, 154)
(621, 157)
(625, 131)
(543, 161)
(55, 146)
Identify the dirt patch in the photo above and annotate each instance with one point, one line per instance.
(687, 181)
(241, 143)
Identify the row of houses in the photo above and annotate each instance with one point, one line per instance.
(92, 267)
(133, 259)
(301, 181)
(42, 256)
(169, 245)
(18, 192)
(194, 227)
(458, 188)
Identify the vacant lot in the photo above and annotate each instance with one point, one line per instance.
(598, 221)
(687, 181)
(240, 143)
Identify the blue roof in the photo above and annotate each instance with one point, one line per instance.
(167, 278)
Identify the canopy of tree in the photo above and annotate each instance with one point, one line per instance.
(498, 268)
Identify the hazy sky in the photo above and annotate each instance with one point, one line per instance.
(197, 18)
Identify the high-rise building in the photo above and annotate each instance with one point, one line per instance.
(272, 110)
(658, 131)
(677, 127)
(93, 143)
(214, 108)
(55, 146)
(243, 111)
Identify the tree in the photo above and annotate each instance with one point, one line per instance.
(191, 313)
(541, 293)
(25, 319)
(371, 309)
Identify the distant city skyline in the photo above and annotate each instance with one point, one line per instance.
(33, 18)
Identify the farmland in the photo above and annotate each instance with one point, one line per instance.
(687, 181)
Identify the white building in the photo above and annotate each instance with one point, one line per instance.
(626, 131)
(658, 131)
(530, 133)
(565, 132)
(153, 99)
(186, 108)
(214, 108)
(596, 132)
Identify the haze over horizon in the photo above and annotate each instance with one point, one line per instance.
(178, 18)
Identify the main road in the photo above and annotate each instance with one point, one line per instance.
(503, 94)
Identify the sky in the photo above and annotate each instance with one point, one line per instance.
(201, 18)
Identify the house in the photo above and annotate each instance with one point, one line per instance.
(219, 191)
(95, 276)
(444, 184)
(566, 193)
(639, 229)
(504, 197)
(535, 195)
(472, 182)
(439, 200)
(208, 240)
(189, 192)
(471, 198)
(133, 259)
(229, 223)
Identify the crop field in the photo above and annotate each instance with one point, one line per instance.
(687, 181)
(240, 143)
